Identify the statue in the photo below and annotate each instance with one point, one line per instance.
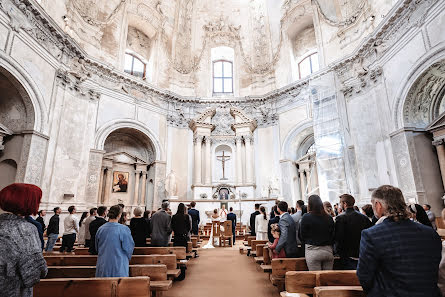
(170, 185)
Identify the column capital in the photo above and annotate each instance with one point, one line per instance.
(198, 139)
(238, 139)
(137, 171)
(437, 142)
(248, 138)
(207, 140)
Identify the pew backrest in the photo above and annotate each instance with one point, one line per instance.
(282, 265)
(94, 287)
(304, 282)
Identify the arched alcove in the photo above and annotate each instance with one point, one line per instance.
(223, 158)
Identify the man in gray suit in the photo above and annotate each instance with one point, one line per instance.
(161, 227)
(288, 228)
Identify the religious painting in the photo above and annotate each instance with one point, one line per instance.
(120, 182)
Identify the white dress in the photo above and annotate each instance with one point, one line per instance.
(209, 244)
(261, 227)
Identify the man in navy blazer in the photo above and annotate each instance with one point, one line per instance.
(288, 229)
(398, 257)
(232, 217)
(195, 217)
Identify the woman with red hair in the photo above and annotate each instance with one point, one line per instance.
(21, 258)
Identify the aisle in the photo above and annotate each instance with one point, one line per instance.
(223, 272)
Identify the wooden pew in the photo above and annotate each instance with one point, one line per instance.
(90, 260)
(306, 281)
(266, 266)
(180, 252)
(157, 274)
(254, 243)
(94, 287)
(259, 253)
(339, 291)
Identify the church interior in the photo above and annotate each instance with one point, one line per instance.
(224, 103)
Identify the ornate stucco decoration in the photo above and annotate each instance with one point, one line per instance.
(350, 11)
(424, 100)
(223, 120)
(74, 84)
(203, 120)
(365, 79)
(241, 120)
(4, 131)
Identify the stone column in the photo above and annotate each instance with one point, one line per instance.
(315, 174)
(239, 163)
(143, 188)
(137, 175)
(302, 183)
(101, 185)
(208, 158)
(440, 146)
(249, 159)
(198, 155)
(309, 174)
(108, 184)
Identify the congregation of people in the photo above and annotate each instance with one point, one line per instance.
(393, 246)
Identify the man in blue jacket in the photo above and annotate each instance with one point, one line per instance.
(194, 214)
(398, 257)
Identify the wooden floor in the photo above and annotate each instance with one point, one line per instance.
(223, 272)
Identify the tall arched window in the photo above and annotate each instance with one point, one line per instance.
(308, 65)
(222, 77)
(134, 65)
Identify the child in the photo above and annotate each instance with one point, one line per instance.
(275, 230)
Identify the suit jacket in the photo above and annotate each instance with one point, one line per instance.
(94, 226)
(288, 237)
(232, 217)
(399, 259)
(252, 222)
(273, 220)
(160, 228)
(195, 220)
(348, 231)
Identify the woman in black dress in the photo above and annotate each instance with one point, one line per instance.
(181, 226)
(140, 228)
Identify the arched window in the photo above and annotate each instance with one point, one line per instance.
(134, 65)
(308, 65)
(311, 149)
(222, 77)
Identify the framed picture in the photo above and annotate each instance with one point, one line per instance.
(120, 182)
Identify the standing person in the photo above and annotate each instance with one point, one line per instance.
(95, 225)
(431, 215)
(261, 224)
(272, 213)
(348, 229)
(53, 230)
(297, 219)
(317, 234)
(114, 246)
(231, 216)
(252, 219)
(180, 225)
(39, 229)
(299, 213)
(92, 217)
(71, 224)
(81, 237)
(368, 212)
(161, 227)
(139, 228)
(273, 220)
(441, 281)
(288, 229)
(123, 218)
(418, 214)
(21, 260)
(195, 218)
(275, 229)
(398, 257)
(328, 209)
(223, 212)
(40, 218)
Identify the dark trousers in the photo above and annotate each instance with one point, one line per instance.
(87, 242)
(234, 235)
(68, 242)
(348, 263)
(180, 240)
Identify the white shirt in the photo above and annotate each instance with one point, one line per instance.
(71, 224)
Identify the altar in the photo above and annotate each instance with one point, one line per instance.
(242, 208)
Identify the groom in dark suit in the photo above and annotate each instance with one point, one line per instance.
(232, 217)
(195, 218)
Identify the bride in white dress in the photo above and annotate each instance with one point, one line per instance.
(214, 218)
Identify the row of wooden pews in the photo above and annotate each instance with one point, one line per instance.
(152, 272)
(291, 275)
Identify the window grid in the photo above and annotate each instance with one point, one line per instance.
(310, 57)
(223, 77)
(131, 70)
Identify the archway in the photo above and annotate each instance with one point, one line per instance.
(415, 155)
(126, 167)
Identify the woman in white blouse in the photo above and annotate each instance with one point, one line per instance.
(261, 222)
